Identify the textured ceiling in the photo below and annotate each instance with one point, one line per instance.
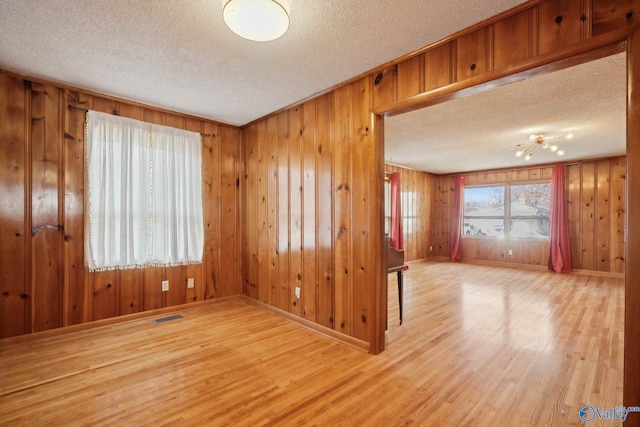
(480, 132)
(179, 55)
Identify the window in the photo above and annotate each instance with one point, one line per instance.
(507, 211)
(144, 194)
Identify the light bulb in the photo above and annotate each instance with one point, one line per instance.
(554, 148)
(533, 137)
(545, 145)
(519, 153)
(560, 153)
(569, 136)
(529, 156)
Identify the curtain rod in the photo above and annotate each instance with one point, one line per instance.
(73, 107)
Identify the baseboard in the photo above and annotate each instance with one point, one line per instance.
(322, 330)
(540, 268)
(110, 321)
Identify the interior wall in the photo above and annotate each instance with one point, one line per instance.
(417, 190)
(595, 191)
(44, 283)
(307, 218)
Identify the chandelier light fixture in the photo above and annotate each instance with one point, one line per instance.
(527, 149)
(257, 20)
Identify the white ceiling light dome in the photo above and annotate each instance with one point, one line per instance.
(257, 20)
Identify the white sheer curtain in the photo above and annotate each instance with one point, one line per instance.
(145, 194)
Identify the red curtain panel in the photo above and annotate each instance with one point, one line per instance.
(396, 212)
(456, 220)
(559, 253)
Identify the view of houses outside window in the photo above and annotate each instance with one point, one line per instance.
(507, 211)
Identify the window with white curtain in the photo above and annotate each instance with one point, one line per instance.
(144, 204)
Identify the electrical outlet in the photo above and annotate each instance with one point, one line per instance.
(190, 282)
(165, 286)
(297, 292)
(510, 252)
(430, 248)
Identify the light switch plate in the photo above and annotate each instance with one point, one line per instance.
(190, 282)
(165, 286)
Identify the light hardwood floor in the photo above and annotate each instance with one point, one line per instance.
(480, 346)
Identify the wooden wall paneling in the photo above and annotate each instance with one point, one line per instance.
(273, 209)
(522, 175)
(471, 55)
(295, 205)
(195, 271)
(588, 216)
(261, 187)
(251, 272)
(46, 211)
(535, 174)
(509, 44)
(410, 76)
(105, 294)
(324, 205)
(609, 15)
(560, 24)
(439, 66)
(177, 293)
(342, 104)
(211, 199)
(603, 212)
(309, 291)
(385, 86)
(76, 301)
(574, 208)
(230, 266)
(130, 295)
(618, 214)
(284, 213)
(15, 297)
(152, 278)
(361, 203)
(131, 280)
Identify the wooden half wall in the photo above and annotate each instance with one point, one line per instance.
(43, 280)
(595, 191)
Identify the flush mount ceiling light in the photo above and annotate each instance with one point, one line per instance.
(257, 20)
(539, 140)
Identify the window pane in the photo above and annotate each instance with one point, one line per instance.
(483, 227)
(484, 201)
(531, 200)
(532, 228)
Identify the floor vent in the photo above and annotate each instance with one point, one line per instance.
(167, 319)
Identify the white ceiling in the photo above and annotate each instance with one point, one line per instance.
(481, 132)
(179, 55)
